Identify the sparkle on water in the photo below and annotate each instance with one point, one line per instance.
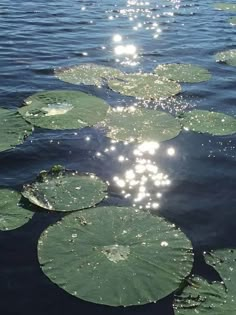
(137, 182)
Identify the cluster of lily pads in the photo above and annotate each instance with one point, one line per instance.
(114, 255)
(63, 109)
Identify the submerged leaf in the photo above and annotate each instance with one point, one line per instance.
(63, 109)
(208, 122)
(89, 74)
(232, 20)
(13, 129)
(202, 297)
(136, 124)
(225, 6)
(65, 191)
(116, 256)
(144, 86)
(12, 214)
(227, 56)
(183, 72)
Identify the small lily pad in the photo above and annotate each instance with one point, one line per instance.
(12, 213)
(144, 86)
(232, 20)
(116, 256)
(225, 6)
(227, 56)
(208, 122)
(88, 74)
(13, 129)
(136, 124)
(183, 72)
(63, 109)
(65, 191)
(202, 297)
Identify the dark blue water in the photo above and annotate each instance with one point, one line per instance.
(40, 36)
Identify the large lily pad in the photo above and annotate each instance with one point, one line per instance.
(227, 56)
(209, 122)
(225, 6)
(144, 86)
(116, 256)
(13, 129)
(63, 109)
(202, 297)
(12, 213)
(65, 191)
(129, 124)
(183, 72)
(89, 74)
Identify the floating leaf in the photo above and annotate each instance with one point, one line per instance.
(89, 74)
(115, 256)
(224, 261)
(209, 122)
(144, 86)
(183, 72)
(65, 191)
(228, 57)
(12, 214)
(201, 297)
(232, 20)
(63, 109)
(225, 6)
(128, 124)
(13, 129)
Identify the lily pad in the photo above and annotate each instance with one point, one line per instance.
(232, 20)
(65, 191)
(88, 74)
(183, 73)
(144, 86)
(116, 256)
(13, 129)
(208, 122)
(12, 214)
(227, 56)
(225, 6)
(63, 109)
(202, 297)
(129, 124)
(224, 261)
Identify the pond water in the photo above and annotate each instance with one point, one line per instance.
(199, 196)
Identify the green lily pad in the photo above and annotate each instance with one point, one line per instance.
(12, 214)
(232, 20)
(144, 86)
(228, 57)
(116, 256)
(88, 74)
(65, 191)
(63, 109)
(202, 297)
(225, 6)
(136, 124)
(13, 129)
(224, 261)
(183, 72)
(208, 122)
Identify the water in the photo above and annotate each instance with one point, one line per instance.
(38, 37)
